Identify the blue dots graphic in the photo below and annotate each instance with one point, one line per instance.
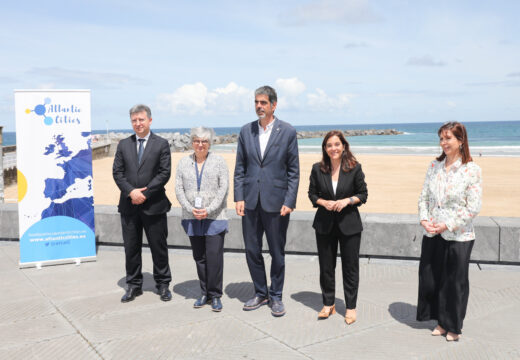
(39, 109)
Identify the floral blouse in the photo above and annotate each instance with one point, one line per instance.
(452, 197)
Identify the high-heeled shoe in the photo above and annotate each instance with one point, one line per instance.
(350, 318)
(326, 312)
(438, 331)
(452, 337)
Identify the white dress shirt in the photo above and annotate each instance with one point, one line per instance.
(263, 136)
(144, 142)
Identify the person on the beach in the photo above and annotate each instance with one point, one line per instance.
(337, 188)
(142, 166)
(449, 201)
(201, 186)
(267, 174)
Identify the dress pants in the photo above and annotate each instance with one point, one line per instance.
(254, 224)
(156, 230)
(208, 253)
(327, 253)
(443, 282)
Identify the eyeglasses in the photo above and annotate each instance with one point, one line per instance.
(200, 142)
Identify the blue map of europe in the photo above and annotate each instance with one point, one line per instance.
(76, 168)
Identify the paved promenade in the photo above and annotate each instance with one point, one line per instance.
(74, 312)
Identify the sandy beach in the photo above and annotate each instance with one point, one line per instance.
(394, 183)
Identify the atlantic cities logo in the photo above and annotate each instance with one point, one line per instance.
(56, 113)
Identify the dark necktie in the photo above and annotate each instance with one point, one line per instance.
(141, 150)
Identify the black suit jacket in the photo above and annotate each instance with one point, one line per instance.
(350, 183)
(153, 173)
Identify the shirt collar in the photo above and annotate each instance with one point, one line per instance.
(145, 138)
(268, 127)
(457, 164)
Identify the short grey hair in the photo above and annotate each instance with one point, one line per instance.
(139, 108)
(269, 91)
(202, 132)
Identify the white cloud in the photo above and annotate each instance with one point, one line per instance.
(426, 60)
(320, 101)
(342, 12)
(195, 98)
(288, 92)
(353, 45)
(290, 87)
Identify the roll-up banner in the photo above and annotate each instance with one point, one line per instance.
(54, 162)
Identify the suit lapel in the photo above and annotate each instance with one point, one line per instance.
(255, 131)
(327, 179)
(147, 149)
(272, 138)
(133, 150)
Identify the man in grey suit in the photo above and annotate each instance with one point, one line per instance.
(266, 178)
(142, 166)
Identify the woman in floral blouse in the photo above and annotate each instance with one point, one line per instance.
(450, 199)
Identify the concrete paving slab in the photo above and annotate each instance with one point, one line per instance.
(68, 311)
(65, 347)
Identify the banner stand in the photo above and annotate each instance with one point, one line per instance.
(55, 183)
(40, 264)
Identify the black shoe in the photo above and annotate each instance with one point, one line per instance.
(254, 303)
(200, 302)
(277, 308)
(165, 294)
(216, 305)
(131, 293)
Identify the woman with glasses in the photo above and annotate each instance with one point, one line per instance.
(449, 201)
(201, 187)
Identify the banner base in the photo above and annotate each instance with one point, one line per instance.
(39, 264)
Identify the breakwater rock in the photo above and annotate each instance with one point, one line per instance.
(181, 142)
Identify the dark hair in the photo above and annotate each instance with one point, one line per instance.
(269, 91)
(348, 161)
(459, 131)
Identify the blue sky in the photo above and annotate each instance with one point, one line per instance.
(332, 62)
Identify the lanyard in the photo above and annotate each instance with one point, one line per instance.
(199, 176)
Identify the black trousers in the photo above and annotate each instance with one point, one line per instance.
(327, 254)
(208, 253)
(443, 282)
(254, 224)
(156, 230)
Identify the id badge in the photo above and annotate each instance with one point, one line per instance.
(198, 202)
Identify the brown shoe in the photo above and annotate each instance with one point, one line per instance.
(326, 312)
(350, 317)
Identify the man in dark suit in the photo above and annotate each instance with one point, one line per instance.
(267, 174)
(142, 167)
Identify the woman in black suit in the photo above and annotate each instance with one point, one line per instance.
(337, 188)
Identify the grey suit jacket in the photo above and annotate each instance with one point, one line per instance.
(274, 178)
(153, 173)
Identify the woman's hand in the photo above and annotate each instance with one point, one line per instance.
(327, 204)
(200, 214)
(428, 226)
(341, 204)
(440, 228)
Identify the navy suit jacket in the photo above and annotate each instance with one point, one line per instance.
(274, 178)
(153, 173)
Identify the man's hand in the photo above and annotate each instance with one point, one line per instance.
(200, 213)
(239, 207)
(137, 196)
(285, 210)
